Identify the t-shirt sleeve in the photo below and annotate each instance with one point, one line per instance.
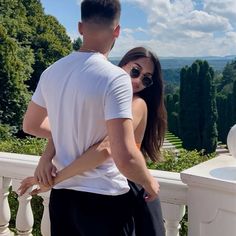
(38, 97)
(118, 99)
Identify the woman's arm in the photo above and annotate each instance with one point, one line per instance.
(89, 160)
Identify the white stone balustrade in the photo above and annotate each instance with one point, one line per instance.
(211, 197)
(24, 217)
(173, 197)
(45, 224)
(4, 206)
(18, 166)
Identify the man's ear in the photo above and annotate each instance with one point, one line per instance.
(80, 28)
(117, 31)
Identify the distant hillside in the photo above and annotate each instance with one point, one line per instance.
(171, 68)
(218, 63)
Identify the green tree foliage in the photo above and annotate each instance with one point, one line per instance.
(226, 100)
(222, 122)
(49, 43)
(227, 117)
(15, 69)
(49, 40)
(229, 76)
(188, 114)
(26, 22)
(30, 42)
(197, 108)
(209, 109)
(172, 106)
(234, 103)
(171, 79)
(77, 44)
(13, 17)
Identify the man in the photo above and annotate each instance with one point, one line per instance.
(84, 97)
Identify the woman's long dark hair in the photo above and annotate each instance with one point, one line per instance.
(154, 98)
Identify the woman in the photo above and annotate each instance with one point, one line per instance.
(149, 121)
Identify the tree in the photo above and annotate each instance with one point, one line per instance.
(13, 18)
(15, 69)
(234, 103)
(49, 43)
(209, 130)
(226, 100)
(172, 106)
(198, 114)
(188, 116)
(229, 76)
(30, 42)
(77, 44)
(222, 122)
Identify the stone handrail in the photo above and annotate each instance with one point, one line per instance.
(15, 167)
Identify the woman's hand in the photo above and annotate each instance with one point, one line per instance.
(30, 182)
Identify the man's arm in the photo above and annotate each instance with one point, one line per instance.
(129, 160)
(36, 121)
(45, 170)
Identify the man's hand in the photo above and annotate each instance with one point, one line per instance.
(152, 189)
(45, 172)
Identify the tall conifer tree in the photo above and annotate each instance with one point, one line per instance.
(198, 112)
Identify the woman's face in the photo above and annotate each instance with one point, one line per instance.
(140, 71)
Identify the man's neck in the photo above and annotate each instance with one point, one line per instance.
(94, 49)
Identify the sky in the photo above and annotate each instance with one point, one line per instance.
(171, 28)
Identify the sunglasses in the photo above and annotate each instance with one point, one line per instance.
(135, 72)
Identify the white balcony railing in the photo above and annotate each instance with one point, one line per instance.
(210, 196)
(15, 167)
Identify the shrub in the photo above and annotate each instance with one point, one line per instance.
(180, 160)
(31, 146)
(5, 132)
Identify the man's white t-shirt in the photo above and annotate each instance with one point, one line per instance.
(80, 92)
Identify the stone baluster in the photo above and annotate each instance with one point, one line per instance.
(172, 214)
(5, 213)
(45, 223)
(24, 217)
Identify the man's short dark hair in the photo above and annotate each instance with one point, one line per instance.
(100, 11)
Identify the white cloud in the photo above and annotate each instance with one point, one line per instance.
(202, 21)
(178, 28)
(128, 31)
(226, 8)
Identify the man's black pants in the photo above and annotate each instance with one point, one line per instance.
(76, 213)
